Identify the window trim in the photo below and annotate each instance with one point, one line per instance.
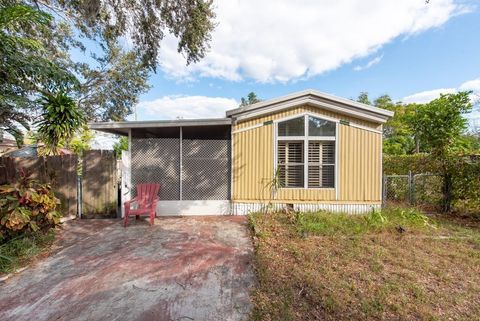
(305, 140)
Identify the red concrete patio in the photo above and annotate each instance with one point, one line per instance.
(186, 268)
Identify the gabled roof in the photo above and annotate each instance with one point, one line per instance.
(312, 98)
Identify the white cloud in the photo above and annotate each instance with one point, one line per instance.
(474, 86)
(426, 96)
(278, 41)
(471, 85)
(187, 107)
(369, 64)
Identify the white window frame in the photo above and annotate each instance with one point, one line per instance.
(306, 138)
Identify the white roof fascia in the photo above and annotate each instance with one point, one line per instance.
(314, 98)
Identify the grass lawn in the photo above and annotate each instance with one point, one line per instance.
(393, 265)
(19, 251)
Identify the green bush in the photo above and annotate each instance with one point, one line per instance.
(26, 207)
(402, 164)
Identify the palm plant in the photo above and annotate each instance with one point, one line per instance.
(61, 119)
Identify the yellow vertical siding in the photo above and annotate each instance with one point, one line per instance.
(359, 162)
(253, 163)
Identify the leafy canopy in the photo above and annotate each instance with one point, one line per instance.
(441, 122)
(144, 23)
(418, 128)
(25, 67)
(37, 39)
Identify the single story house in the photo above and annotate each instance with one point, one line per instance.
(308, 151)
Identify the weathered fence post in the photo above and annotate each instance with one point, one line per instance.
(410, 185)
(384, 190)
(79, 196)
(414, 189)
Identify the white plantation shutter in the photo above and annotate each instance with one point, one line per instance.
(291, 164)
(321, 164)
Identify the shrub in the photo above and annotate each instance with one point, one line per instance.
(25, 207)
(402, 164)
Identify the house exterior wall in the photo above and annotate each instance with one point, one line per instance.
(358, 161)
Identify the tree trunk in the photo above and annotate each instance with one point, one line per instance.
(447, 193)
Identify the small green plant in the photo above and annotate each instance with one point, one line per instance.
(26, 207)
(273, 186)
(376, 218)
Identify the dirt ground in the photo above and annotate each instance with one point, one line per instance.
(189, 268)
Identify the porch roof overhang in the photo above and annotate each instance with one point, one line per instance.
(123, 127)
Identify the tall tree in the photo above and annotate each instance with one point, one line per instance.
(110, 91)
(113, 77)
(25, 67)
(440, 125)
(250, 100)
(441, 122)
(363, 98)
(38, 37)
(397, 133)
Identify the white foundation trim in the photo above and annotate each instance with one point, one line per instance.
(246, 208)
(225, 207)
(200, 207)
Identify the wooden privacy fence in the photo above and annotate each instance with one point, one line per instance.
(98, 190)
(99, 184)
(59, 171)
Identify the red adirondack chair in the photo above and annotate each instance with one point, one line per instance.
(146, 201)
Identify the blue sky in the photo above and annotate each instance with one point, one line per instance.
(407, 49)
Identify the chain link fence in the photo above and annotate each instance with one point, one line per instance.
(424, 190)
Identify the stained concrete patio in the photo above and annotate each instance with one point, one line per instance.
(190, 268)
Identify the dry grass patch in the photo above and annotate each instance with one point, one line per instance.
(394, 265)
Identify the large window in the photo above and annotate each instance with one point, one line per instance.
(306, 152)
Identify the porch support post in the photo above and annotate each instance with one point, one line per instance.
(130, 163)
(181, 162)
